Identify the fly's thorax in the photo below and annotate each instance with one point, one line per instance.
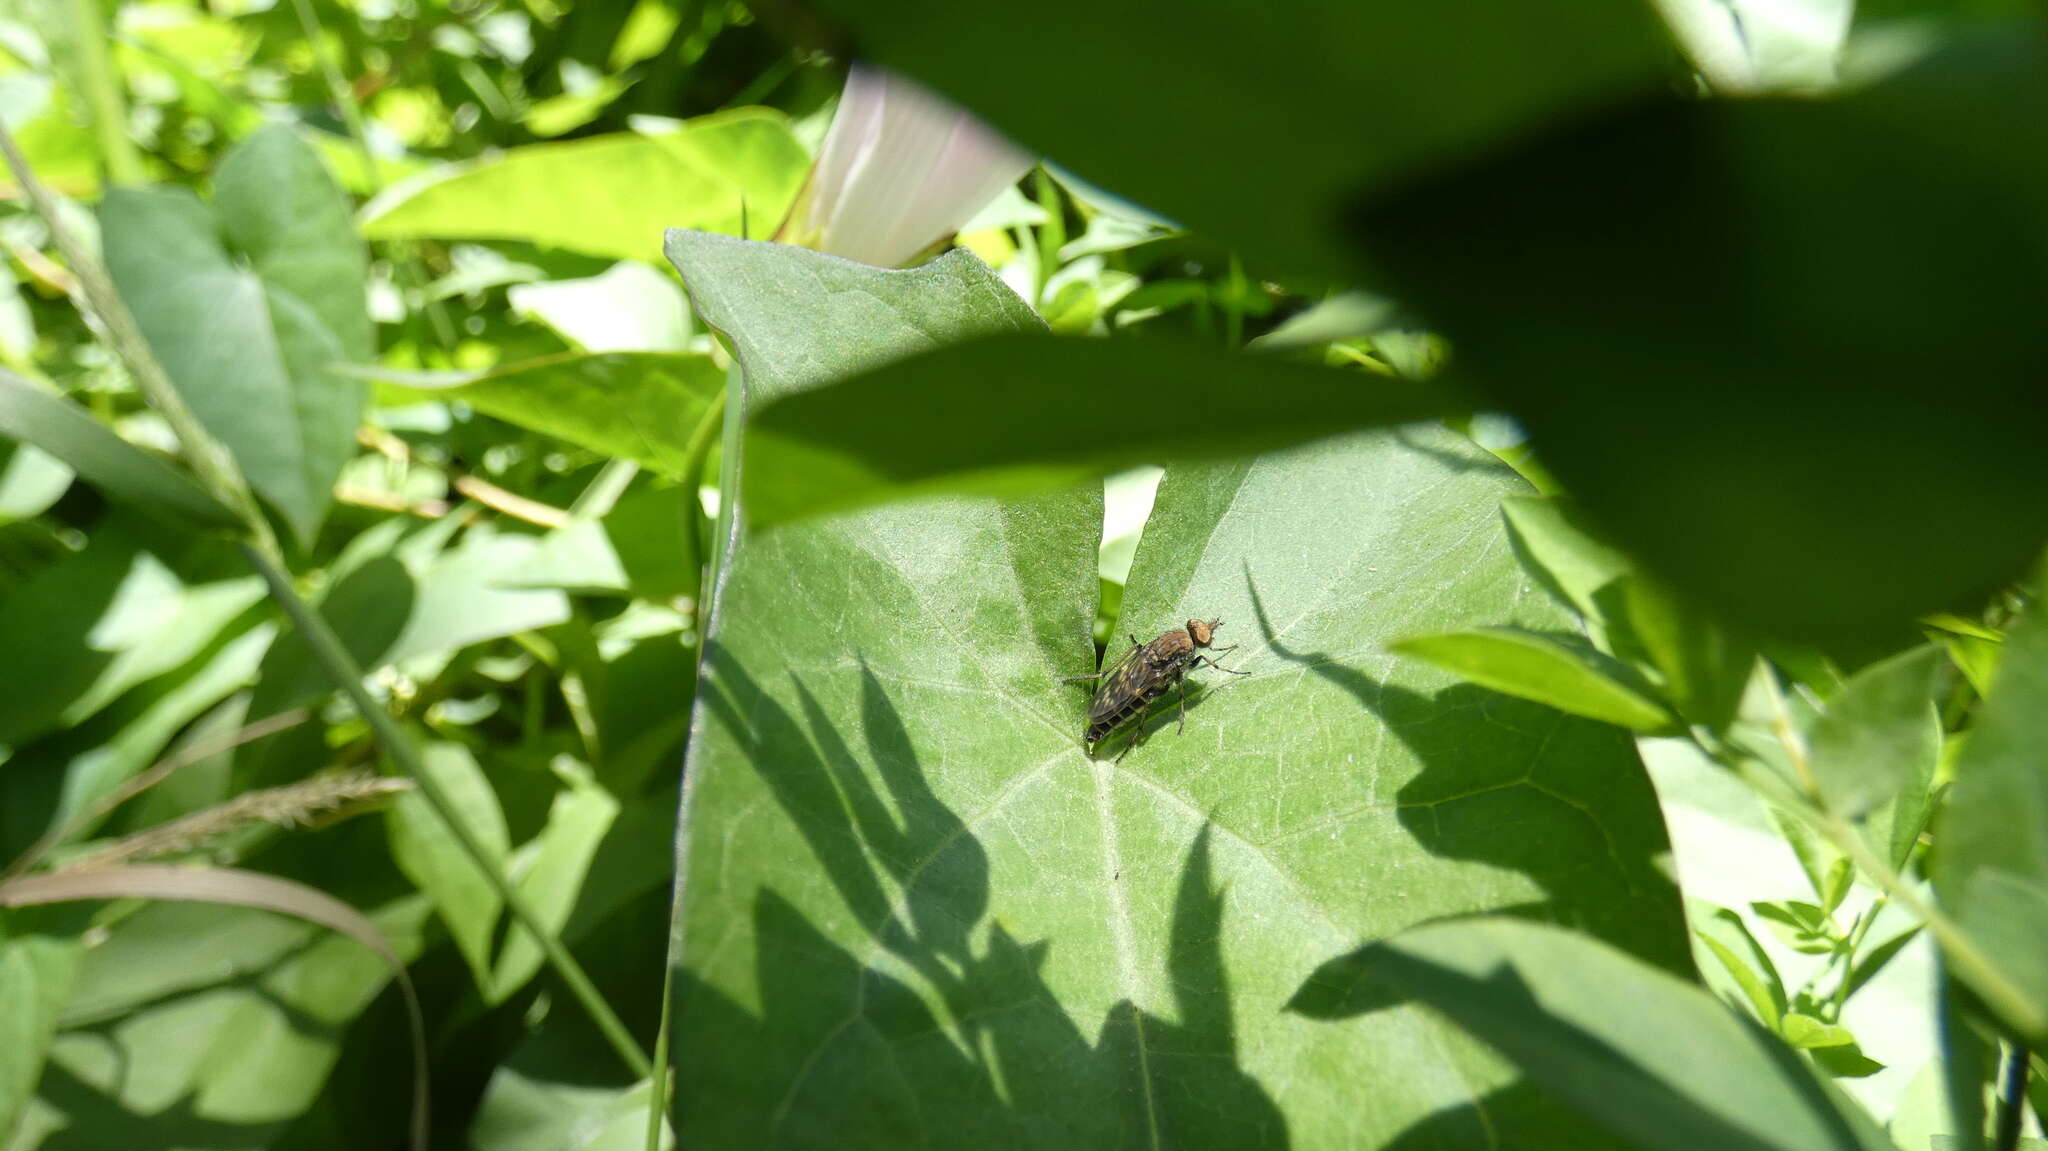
(1170, 646)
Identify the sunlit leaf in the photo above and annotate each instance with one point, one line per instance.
(640, 406)
(1879, 734)
(1564, 674)
(248, 303)
(610, 195)
(428, 852)
(125, 472)
(914, 909)
(1647, 1055)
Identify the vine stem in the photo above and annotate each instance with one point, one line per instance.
(214, 467)
(95, 30)
(217, 470)
(343, 669)
(1969, 962)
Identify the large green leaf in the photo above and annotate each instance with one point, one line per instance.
(611, 195)
(915, 909)
(633, 405)
(126, 473)
(1719, 319)
(248, 305)
(1992, 871)
(1654, 1058)
(1172, 115)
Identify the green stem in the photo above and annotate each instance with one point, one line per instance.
(1846, 953)
(1965, 958)
(657, 1087)
(98, 300)
(343, 669)
(696, 450)
(92, 32)
(602, 494)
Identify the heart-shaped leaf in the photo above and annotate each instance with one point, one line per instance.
(915, 909)
(249, 304)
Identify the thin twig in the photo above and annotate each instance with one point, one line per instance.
(342, 668)
(511, 503)
(386, 502)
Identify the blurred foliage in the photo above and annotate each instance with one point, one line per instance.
(405, 259)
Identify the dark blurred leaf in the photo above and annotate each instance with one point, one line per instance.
(1992, 872)
(1045, 412)
(638, 406)
(1566, 675)
(1224, 122)
(125, 473)
(1040, 413)
(610, 195)
(1645, 1054)
(1789, 350)
(249, 304)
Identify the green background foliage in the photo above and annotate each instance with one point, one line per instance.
(1605, 432)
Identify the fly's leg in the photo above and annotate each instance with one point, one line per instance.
(1182, 724)
(1210, 661)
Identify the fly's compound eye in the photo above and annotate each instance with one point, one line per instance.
(1201, 632)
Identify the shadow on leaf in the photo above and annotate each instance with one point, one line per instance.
(975, 1049)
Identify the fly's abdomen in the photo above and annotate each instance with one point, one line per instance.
(1124, 712)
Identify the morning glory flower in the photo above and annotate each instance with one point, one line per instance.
(901, 169)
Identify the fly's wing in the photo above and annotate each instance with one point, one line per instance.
(1127, 680)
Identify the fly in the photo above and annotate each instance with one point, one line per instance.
(1126, 689)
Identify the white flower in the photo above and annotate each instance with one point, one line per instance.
(901, 169)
